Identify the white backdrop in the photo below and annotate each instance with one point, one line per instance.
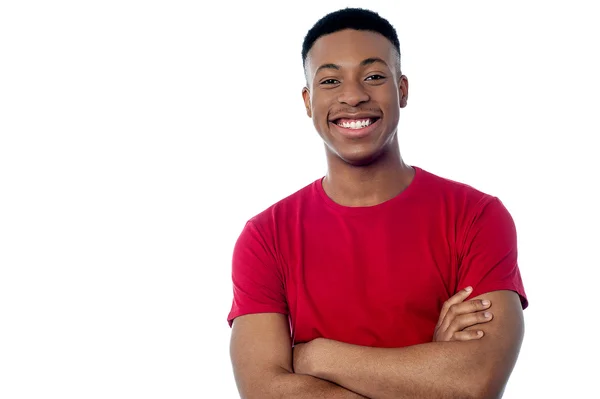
(136, 138)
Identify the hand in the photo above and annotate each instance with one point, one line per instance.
(301, 357)
(457, 315)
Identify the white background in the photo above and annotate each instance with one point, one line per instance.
(136, 138)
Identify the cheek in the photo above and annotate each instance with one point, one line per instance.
(320, 108)
(391, 104)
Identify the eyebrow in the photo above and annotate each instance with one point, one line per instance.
(363, 63)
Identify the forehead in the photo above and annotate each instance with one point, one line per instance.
(347, 48)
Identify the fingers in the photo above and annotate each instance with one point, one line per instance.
(467, 335)
(470, 308)
(455, 299)
(470, 319)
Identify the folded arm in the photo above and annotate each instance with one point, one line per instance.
(261, 355)
(473, 369)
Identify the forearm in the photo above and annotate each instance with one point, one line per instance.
(299, 386)
(436, 370)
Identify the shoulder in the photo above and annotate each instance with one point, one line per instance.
(477, 216)
(285, 208)
(464, 205)
(455, 193)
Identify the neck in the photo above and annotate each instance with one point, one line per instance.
(367, 185)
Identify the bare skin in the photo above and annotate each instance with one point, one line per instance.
(477, 368)
(263, 362)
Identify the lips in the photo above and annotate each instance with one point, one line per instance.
(355, 123)
(355, 128)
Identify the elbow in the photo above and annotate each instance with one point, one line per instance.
(482, 380)
(486, 388)
(486, 394)
(489, 378)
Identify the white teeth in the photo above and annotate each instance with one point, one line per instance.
(355, 124)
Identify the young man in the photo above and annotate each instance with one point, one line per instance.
(355, 285)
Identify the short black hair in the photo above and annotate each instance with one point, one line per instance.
(349, 18)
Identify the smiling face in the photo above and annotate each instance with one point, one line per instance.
(354, 94)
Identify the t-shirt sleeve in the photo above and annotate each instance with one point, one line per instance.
(257, 280)
(489, 253)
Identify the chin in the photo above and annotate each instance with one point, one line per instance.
(358, 158)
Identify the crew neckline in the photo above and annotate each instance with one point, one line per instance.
(365, 210)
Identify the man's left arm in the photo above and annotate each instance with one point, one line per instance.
(473, 369)
(437, 370)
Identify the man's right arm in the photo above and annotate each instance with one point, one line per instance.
(261, 354)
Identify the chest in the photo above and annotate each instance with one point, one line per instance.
(369, 282)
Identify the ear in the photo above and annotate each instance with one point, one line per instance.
(306, 98)
(403, 90)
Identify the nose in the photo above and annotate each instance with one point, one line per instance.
(353, 94)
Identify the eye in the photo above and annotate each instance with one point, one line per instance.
(330, 82)
(375, 77)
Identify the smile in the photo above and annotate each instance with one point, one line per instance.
(355, 123)
(356, 128)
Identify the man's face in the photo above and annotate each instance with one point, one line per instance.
(354, 93)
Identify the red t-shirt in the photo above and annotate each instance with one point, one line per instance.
(378, 275)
